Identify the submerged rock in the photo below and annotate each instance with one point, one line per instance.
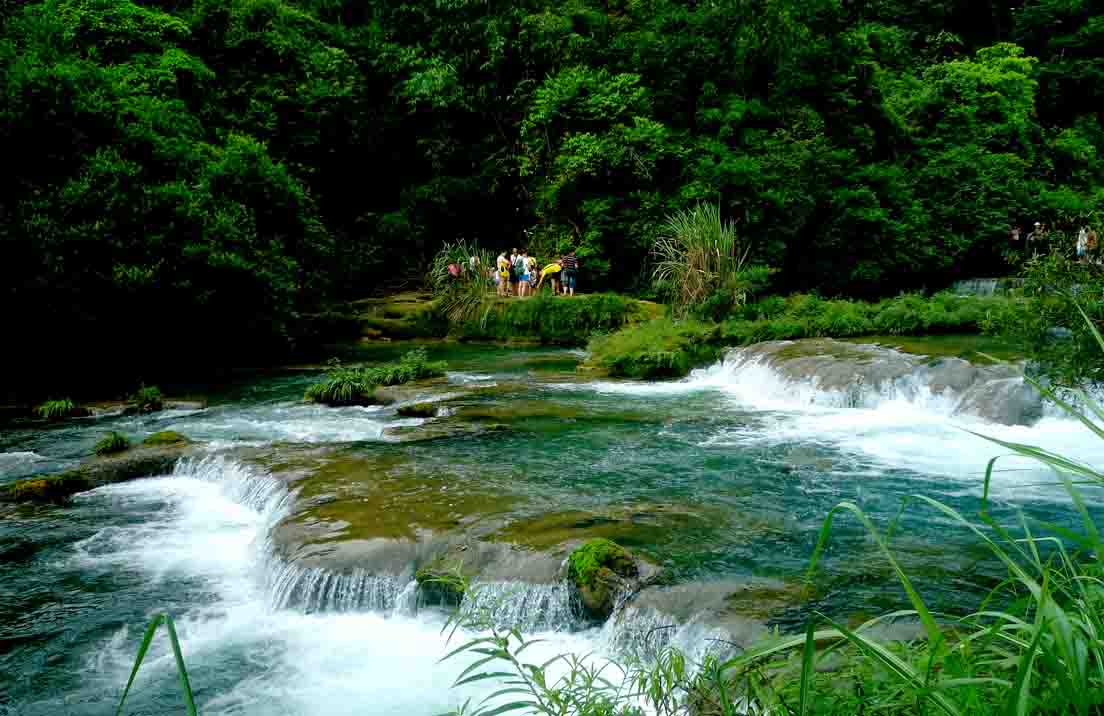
(166, 437)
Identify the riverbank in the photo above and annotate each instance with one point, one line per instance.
(670, 348)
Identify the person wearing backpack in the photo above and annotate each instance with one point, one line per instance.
(521, 270)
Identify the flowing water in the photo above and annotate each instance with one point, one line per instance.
(723, 479)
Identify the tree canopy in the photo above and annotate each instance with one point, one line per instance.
(187, 176)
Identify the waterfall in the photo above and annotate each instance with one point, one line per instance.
(314, 589)
(642, 633)
(523, 605)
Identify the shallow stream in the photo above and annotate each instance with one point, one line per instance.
(724, 479)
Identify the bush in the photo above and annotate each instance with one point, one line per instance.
(355, 386)
(147, 399)
(56, 409)
(112, 443)
(659, 348)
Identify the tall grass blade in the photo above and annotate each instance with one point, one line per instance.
(808, 666)
(147, 639)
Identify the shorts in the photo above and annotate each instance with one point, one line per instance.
(532, 279)
(513, 277)
(568, 279)
(525, 277)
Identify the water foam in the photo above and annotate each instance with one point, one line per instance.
(360, 652)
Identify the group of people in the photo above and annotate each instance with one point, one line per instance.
(1037, 240)
(518, 275)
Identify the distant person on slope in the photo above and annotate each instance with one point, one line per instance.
(570, 272)
(552, 273)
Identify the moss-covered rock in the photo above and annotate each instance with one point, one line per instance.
(166, 437)
(97, 471)
(600, 569)
(418, 410)
(54, 488)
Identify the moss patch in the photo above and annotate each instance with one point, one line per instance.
(393, 496)
(657, 349)
(166, 437)
(56, 488)
(585, 563)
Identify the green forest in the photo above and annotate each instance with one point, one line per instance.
(185, 179)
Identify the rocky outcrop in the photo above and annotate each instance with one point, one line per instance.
(103, 470)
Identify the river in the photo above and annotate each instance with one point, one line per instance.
(723, 478)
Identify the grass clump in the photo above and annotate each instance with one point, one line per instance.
(147, 399)
(355, 386)
(57, 409)
(112, 443)
(661, 348)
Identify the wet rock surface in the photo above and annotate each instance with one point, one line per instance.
(860, 375)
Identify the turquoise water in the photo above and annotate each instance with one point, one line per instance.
(729, 474)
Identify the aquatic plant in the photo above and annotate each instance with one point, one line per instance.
(112, 443)
(147, 399)
(354, 386)
(56, 409)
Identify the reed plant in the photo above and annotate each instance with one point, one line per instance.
(698, 255)
(468, 295)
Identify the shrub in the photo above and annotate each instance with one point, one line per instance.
(147, 399)
(354, 386)
(112, 443)
(56, 409)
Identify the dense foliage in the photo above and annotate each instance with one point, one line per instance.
(191, 174)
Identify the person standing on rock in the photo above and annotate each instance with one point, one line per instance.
(570, 272)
